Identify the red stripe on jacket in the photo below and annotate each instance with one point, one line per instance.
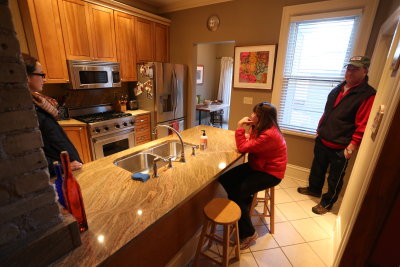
(267, 152)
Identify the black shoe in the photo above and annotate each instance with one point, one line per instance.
(319, 209)
(306, 191)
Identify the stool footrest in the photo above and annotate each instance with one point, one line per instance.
(211, 258)
(218, 238)
(232, 250)
(268, 206)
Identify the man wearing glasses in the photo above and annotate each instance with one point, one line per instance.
(340, 131)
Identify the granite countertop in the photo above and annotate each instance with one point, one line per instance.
(137, 112)
(118, 208)
(71, 122)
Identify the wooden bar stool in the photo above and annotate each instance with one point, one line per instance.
(269, 204)
(226, 213)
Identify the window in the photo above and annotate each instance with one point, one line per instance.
(317, 50)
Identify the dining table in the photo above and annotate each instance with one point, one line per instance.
(210, 108)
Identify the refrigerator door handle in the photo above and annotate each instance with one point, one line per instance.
(174, 89)
(172, 93)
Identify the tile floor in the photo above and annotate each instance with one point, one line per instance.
(301, 237)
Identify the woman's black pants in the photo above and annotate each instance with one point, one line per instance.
(241, 183)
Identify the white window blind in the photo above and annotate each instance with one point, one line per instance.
(316, 53)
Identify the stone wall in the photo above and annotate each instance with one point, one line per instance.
(27, 200)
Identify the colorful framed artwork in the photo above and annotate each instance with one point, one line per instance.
(200, 74)
(254, 66)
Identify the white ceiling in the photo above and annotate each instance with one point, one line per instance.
(164, 6)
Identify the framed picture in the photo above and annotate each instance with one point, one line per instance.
(254, 66)
(200, 74)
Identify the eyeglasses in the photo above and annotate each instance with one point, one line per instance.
(43, 75)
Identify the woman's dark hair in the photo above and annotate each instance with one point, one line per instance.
(30, 63)
(267, 117)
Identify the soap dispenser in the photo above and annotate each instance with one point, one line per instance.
(203, 140)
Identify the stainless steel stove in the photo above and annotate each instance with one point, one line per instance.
(109, 131)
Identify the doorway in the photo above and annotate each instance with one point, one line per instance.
(213, 83)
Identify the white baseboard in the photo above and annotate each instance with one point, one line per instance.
(297, 172)
(300, 174)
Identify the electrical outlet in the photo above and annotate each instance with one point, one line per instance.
(247, 100)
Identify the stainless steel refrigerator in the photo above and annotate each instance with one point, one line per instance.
(166, 98)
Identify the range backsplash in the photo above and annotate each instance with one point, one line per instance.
(89, 97)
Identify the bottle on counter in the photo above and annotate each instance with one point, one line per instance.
(203, 140)
(59, 183)
(72, 194)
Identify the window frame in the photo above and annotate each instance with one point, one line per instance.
(318, 11)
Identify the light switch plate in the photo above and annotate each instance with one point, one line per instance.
(247, 100)
(377, 121)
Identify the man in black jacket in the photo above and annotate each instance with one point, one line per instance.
(340, 131)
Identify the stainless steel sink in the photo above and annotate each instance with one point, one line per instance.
(140, 162)
(170, 149)
(143, 161)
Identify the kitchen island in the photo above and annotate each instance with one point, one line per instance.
(144, 224)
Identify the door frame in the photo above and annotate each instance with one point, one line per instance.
(373, 179)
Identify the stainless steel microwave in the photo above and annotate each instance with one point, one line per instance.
(93, 74)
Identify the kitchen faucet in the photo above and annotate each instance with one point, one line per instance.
(182, 158)
(155, 168)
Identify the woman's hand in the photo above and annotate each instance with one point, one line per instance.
(245, 121)
(76, 165)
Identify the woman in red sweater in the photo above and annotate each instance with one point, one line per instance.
(265, 168)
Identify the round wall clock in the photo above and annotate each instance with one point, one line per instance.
(213, 23)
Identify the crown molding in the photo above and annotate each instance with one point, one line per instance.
(186, 4)
(130, 10)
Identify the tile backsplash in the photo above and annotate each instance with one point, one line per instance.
(88, 97)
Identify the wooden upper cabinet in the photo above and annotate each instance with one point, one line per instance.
(161, 43)
(88, 31)
(76, 28)
(126, 48)
(44, 37)
(144, 40)
(103, 33)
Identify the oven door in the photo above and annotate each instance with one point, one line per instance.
(106, 145)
